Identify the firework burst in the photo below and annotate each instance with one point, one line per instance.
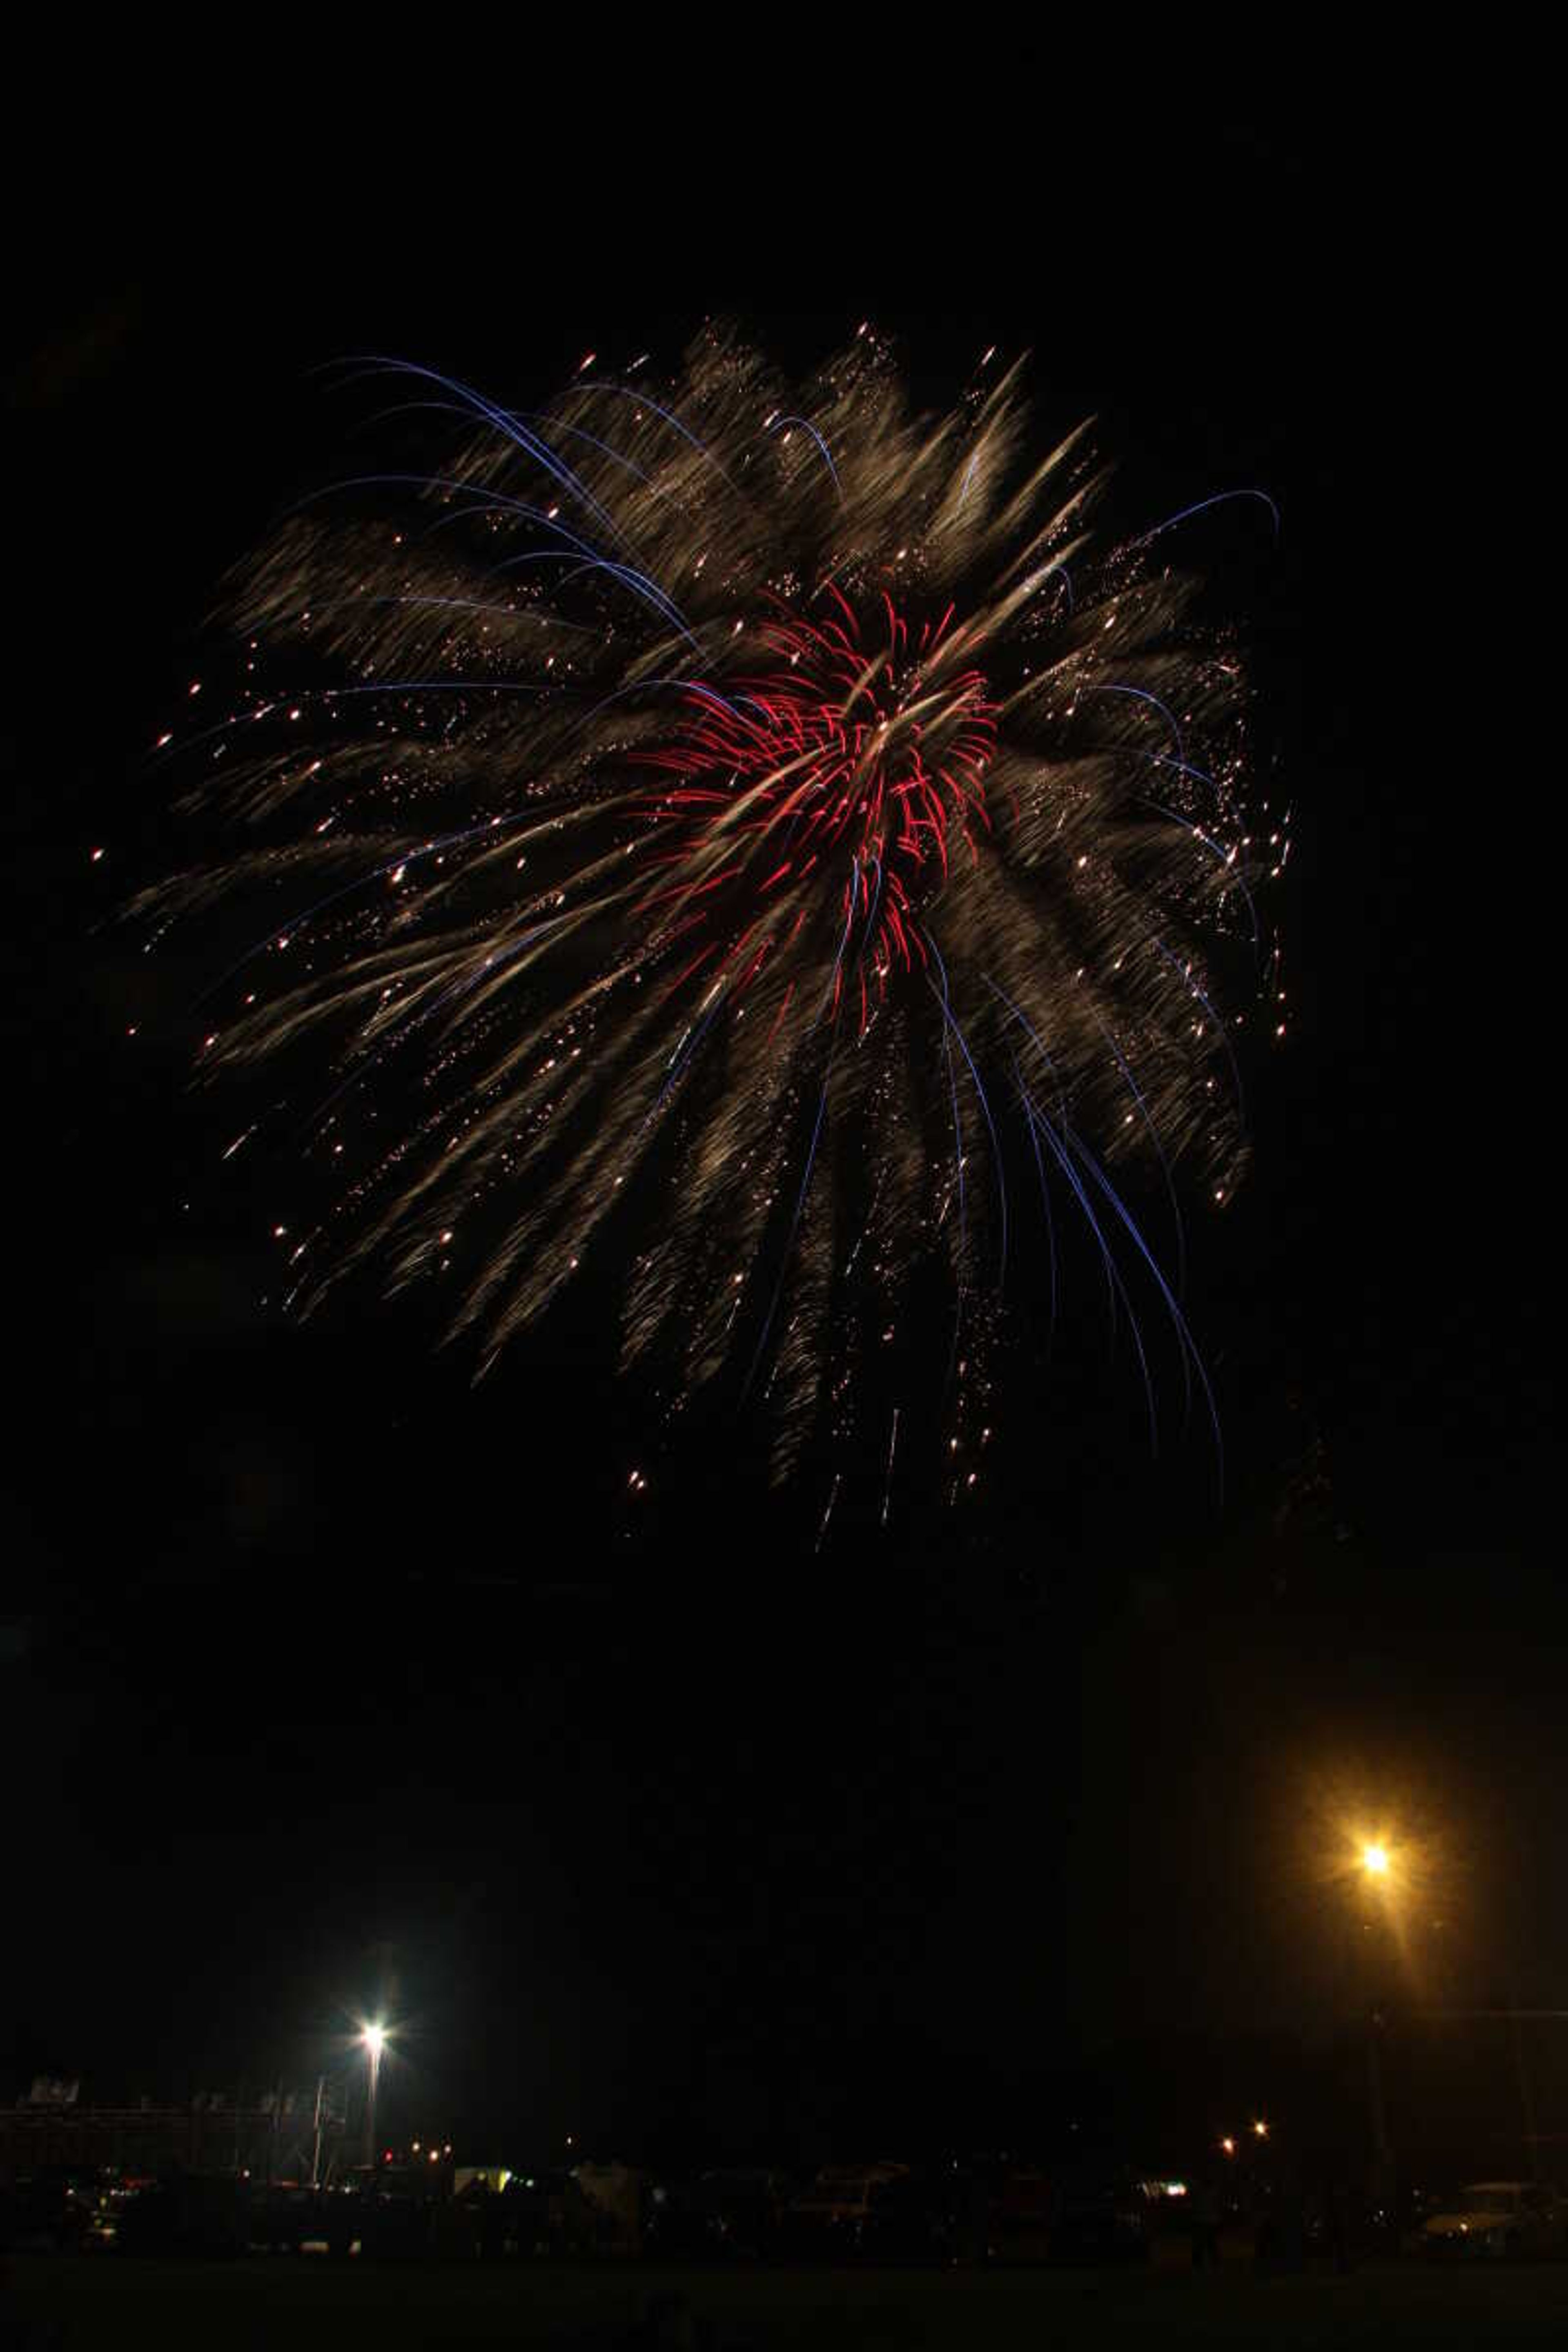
(766, 838)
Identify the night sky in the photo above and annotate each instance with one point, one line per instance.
(322, 1672)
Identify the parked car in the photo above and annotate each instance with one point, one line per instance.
(832, 2217)
(741, 2208)
(185, 2213)
(1021, 2219)
(396, 2208)
(1498, 2217)
(55, 2209)
(548, 2215)
(919, 2216)
(1101, 2217)
(284, 2216)
(731, 2211)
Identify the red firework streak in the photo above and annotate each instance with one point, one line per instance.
(863, 762)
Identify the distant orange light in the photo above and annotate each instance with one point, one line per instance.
(1374, 1861)
(1228, 2145)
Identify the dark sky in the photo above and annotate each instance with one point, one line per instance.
(316, 1664)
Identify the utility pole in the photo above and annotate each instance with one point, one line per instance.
(1367, 1960)
(374, 2039)
(1382, 2154)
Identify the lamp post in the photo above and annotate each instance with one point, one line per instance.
(1376, 1869)
(374, 2040)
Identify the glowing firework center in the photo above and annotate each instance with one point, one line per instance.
(876, 748)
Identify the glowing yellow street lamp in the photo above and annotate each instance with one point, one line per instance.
(1260, 2129)
(1375, 1859)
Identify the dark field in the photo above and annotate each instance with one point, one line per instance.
(70, 2306)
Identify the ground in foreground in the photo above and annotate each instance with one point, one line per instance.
(306, 2303)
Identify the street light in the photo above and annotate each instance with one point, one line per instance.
(1376, 1866)
(373, 2038)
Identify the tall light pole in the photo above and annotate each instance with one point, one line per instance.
(316, 2140)
(1374, 1864)
(374, 2041)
